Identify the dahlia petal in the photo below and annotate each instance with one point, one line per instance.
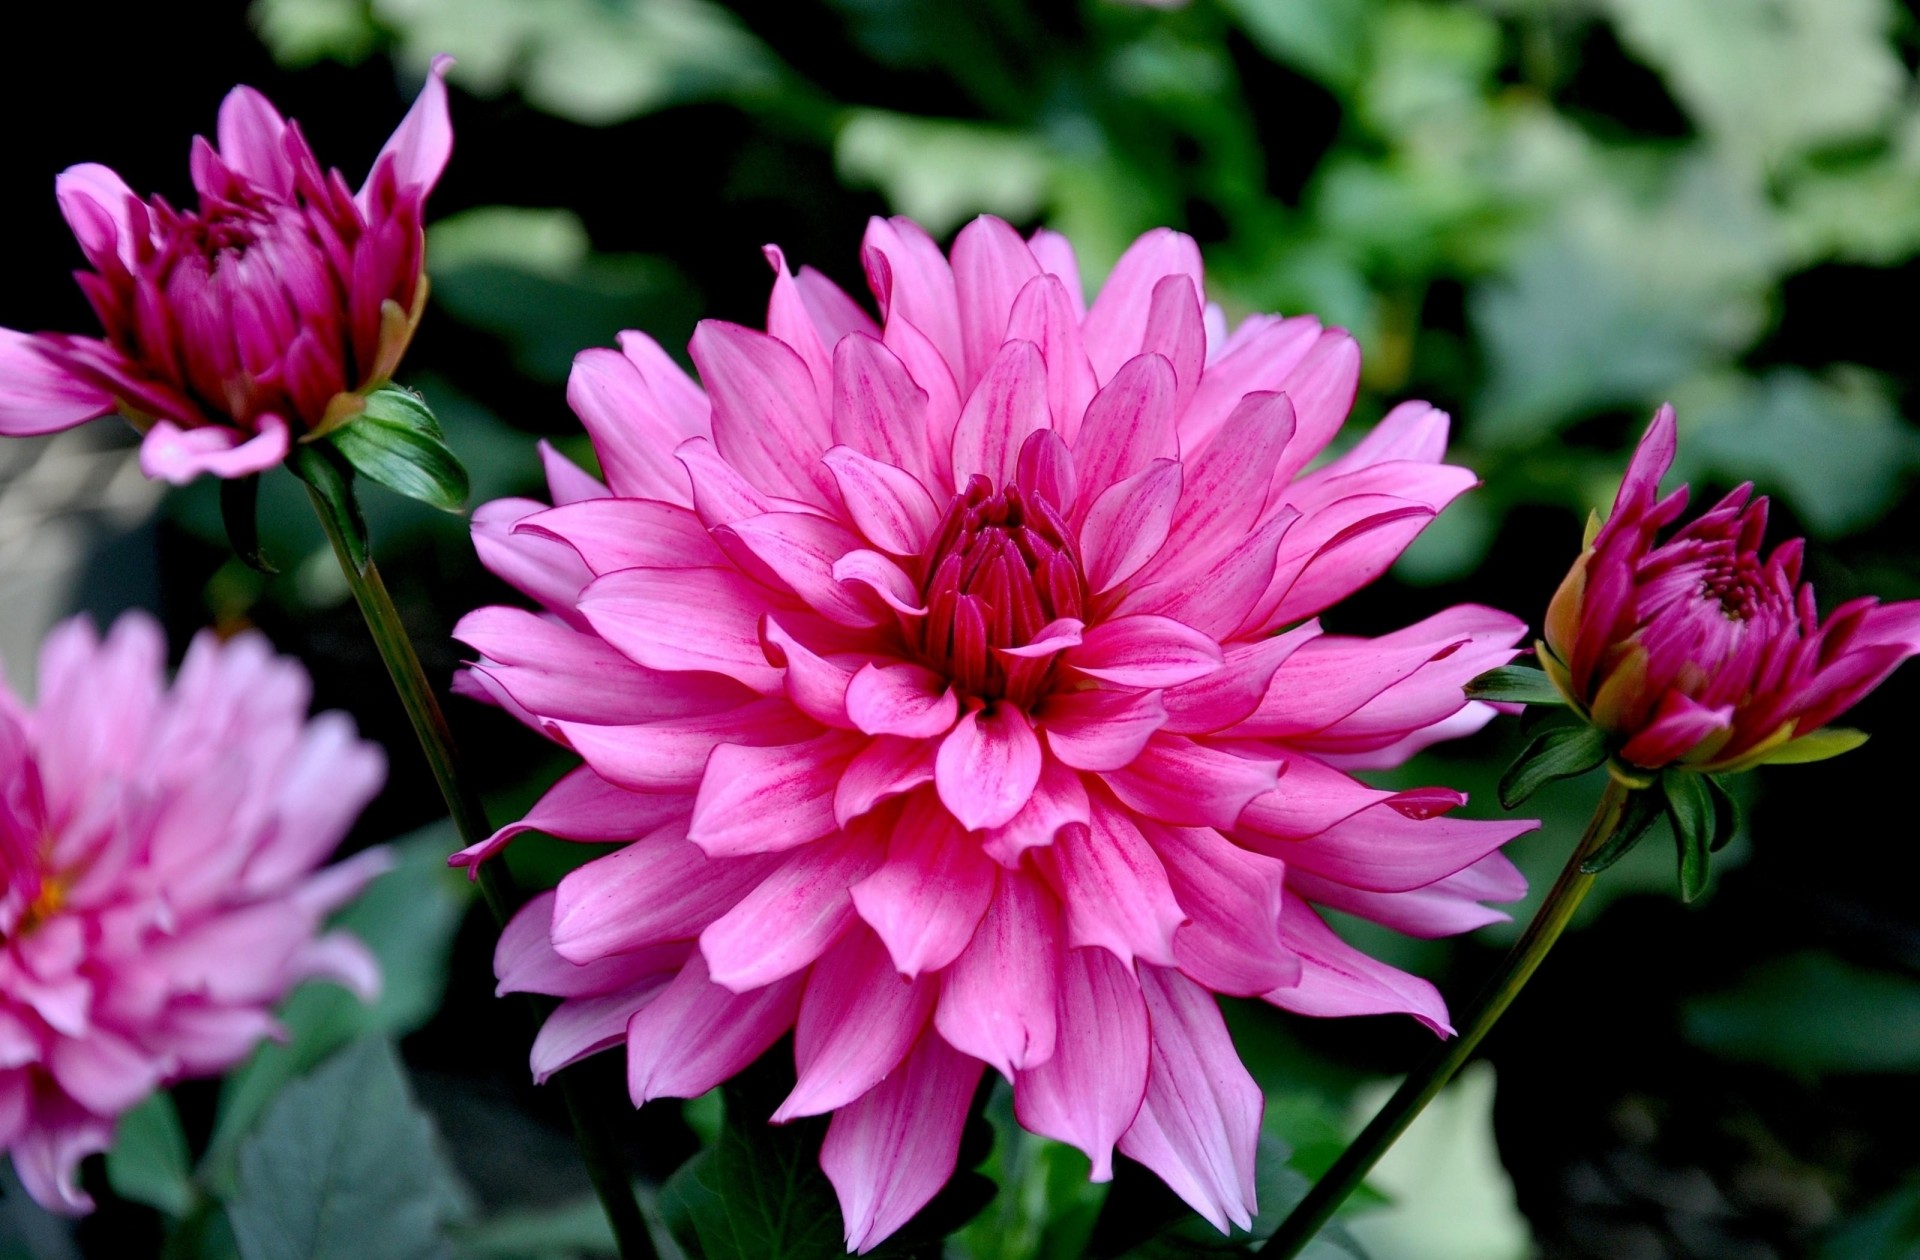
(1045, 468)
(1415, 431)
(695, 1034)
(1471, 718)
(684, 619)
(1178, 780)
(614, 534)
(903, 699)
(801, 550)
(1225, 489)
(912, 280)
(1199, 1124)
(1059, 800)
(47, 1159)
(1176, 333)
(1145, 650)
(1257, 360)
(1054, 253)
(1049, 640)
(1233, 692)
(988, 766)
(582, 1027)
(890, 506)
(567, 482)
(816, 685)
(1337, 979)
(999, 999)
(767, 421)
(583, 806)
(104, 1073)
(857, 1022)
(791, 918)
(1128, 523)
(888, 766)
(1651, 460)
(1335, 552)
(1315, 798)
(1045, 313)
(524, 960)
(764, 800)
(249, 134)
(889, 1153)
(669, 754)
(1322, 388)
(1116, 325)
(1100, 729)
(420, 146)
(790, 322)
(1114, 888)
(170, 453)
(1384, 850)
(869, 570)
(548, 571)
(834, 311)
(931, 372)
(1089, 1092)
(1446, 907)
(879, 410)
(638, 408)
(1008, 404)
(927, 898)
(659, 889)
(1232, 942)
(1678, 725)
(1128, 425)
(95, 202)
(991, 265)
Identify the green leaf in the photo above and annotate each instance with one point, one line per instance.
(1636, 818)
(239, 512)
(571, 1229)
(1812, 1014)
(397, 442)
(1558, 752)
(939, 172)
(1515, 684)
(1694, 819)
(1726, 814)
(1889, 1229)
(149, 1162)
(1828, 741)
(345, 1166)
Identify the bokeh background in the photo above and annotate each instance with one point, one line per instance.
(1546, 216)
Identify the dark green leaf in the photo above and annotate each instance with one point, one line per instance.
(1691, 814)
(1515, 684)
(1726, 814)
(397, 442)
(345, 1166)
(1888, 1229)
(239, 511)
(1559, 752)
(1636, 817)
(149, 1162)
(330, 481)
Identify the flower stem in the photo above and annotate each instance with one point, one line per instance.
(333, 503)
(1419, 1089)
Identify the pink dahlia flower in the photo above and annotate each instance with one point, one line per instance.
(264, 314)
(956, 680)
(158, 890)
(1699, 651)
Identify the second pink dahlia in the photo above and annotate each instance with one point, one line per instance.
(955, 679)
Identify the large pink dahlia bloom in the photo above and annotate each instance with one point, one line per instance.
(263, 314)
(158, 890)
(1699, 651)
(956, 681)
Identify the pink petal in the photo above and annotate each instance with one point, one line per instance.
(927, 898)
(998, 1000)
(1089, 1092)
(888, 766)
(815, 684)
(767, 420)
(1008, 404)
(36, 396)
(879, 410)
(791, 917)
(1233, 692)
(1678, 725)
(1055, 255)
(891, 507)
(1045, 314)
(1128, 523)
(871, 571)
(249, 134)
(1218, 601)
(1322, 388)
(1175, 332)
(548, 571)
(654, 890)
(1384, 850)
(614, 534)
(991, 265)
(918, 287)
(1337, 979)
(1257, 360)
(1045, 470)
(567, 482)
(685, 619)
(1059, 800)
(420, 146)
(695, 1034)
(583, 806)
(764, 800)
(1232, 944)
(987, 766)
(582, 1027)
(857, 1021)
(1179, 780)
(1414, 431)
(789, 320)
(1225, 488)
(1116, 326)
(834, 311)
(930, 372)
(1145, 651)
(170, 453)
(98, 206)
(1100, 729)
(1129, 424)
(670, 754)
(801, 550)
(1199, 1124)
(524, 960)
(1049, 640)
(903, 699)
(638, 407)
(1114, 888)
(890, 1152)
(1445, 907)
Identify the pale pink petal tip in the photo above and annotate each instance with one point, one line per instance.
(170, 453)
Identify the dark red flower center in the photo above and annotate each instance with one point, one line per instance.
(1002, 566)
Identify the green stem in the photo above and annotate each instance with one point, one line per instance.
(333, 502)
(1419, 1089)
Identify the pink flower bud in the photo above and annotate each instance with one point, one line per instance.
(1700, 651)
(261, 314)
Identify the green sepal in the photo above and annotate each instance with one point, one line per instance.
(1558, 752)
(397, 442)
(239, 504)
(1828, 741)
(1515, 684)
(1636, 818)
(1692, 814)
(330, 479)
(1726, 814)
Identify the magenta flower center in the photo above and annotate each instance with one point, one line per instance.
(1002, 566)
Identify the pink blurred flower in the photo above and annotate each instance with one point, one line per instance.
(933, 666)
(260, 316)
(1701, 652)
(157, 883)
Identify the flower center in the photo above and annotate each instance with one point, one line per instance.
(1001, 567)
